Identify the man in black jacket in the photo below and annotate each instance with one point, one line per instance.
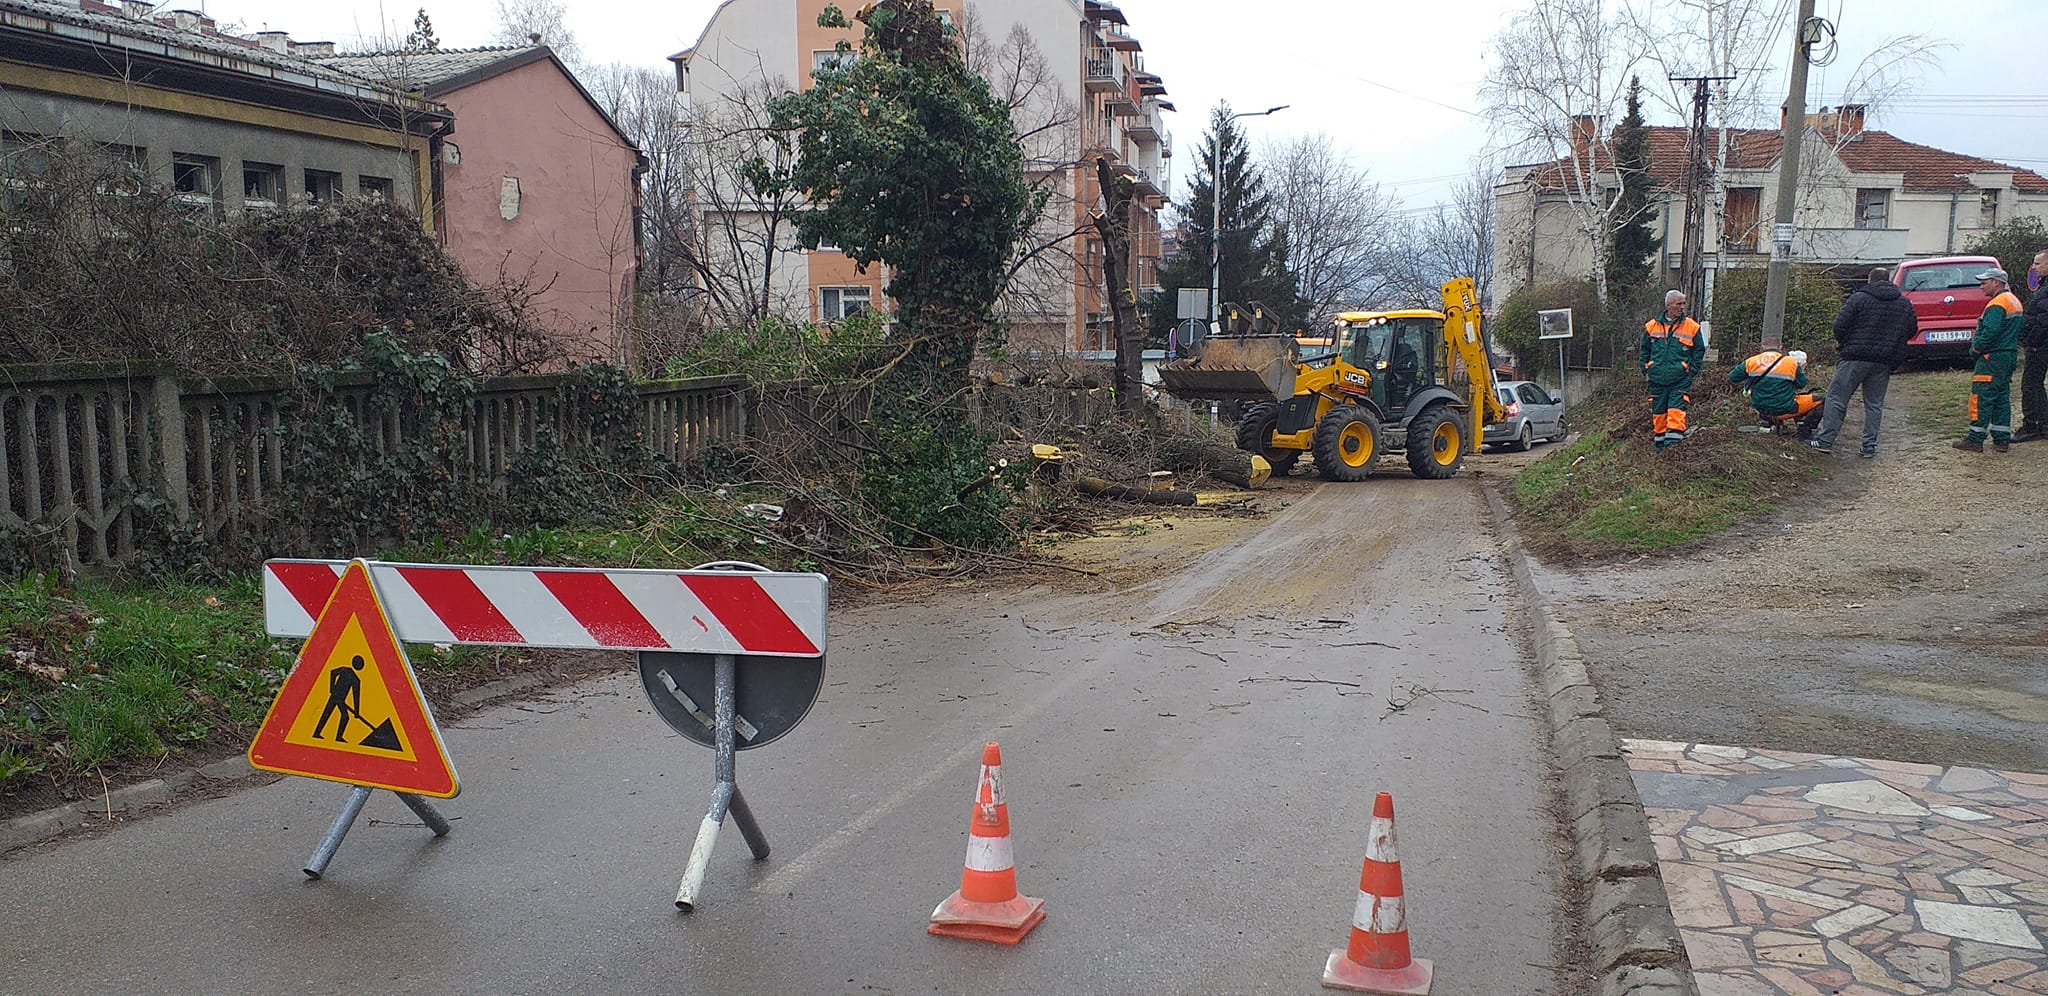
(1871, 329)
(2033, 396)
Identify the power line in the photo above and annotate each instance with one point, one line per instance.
(1417, 96)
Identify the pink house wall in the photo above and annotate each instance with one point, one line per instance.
(572, 232)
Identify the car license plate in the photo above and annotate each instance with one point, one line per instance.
(1960, 336)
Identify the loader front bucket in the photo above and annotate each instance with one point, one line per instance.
(1239, 369)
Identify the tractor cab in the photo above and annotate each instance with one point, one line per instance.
(1398, 352)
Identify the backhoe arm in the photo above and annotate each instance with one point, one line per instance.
(1462, 341)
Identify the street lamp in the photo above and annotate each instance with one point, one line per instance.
(1216, 214)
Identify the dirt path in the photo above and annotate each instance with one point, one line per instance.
(1901, 612)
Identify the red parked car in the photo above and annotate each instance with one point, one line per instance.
(1946, 300)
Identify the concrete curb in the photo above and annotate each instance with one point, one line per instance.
(109, 807)
(1635, 945)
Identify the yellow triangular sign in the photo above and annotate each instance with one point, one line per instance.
(351, 710)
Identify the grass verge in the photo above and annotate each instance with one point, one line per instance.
(1941, 401)
(114, 677)
(1610, 492)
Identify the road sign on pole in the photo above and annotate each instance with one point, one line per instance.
(351, 712)
(1556, 323)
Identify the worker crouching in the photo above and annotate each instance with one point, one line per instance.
(1775, 384)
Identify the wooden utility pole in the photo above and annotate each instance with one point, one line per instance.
(1698, 171)
(1113, 223)
(1805, 33)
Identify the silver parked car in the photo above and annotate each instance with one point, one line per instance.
(1533, 413)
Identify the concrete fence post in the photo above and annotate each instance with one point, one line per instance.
(168, 416)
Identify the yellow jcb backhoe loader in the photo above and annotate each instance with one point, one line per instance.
(1418, 381)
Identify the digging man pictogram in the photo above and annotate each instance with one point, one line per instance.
(344, 696)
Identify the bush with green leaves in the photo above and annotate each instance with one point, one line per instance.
(934, 481)
(2014, 243)
(1811, 301)
(778, 350)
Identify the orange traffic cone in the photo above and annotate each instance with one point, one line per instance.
(987, 906)
(1377, 959)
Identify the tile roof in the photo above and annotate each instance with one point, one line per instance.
(424, 70)
(149, 36)
(1926, 169)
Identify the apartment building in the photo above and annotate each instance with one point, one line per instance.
(1867, 198)
(231, 123)
(1074, 75)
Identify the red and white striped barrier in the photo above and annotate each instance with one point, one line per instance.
(710, 612)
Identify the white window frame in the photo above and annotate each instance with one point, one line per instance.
(376, 187)
(203, 196)
(1881, 199)
(269, 182)
(834, 302)
(830, 58)
(333, 184)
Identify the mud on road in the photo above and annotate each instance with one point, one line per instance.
(1901, 611)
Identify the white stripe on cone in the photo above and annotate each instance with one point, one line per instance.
(1379, 842)
(1379, 914)
(988, 854)
(991, 776)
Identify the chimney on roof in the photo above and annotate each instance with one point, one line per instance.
(310, 50)
(1585, 131)
(137, 9)
(190, 20)
(1849, 118)
(275, 41)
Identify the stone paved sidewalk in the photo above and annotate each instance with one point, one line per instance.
(1809, 875)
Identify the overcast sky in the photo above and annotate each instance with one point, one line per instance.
(1394, 81)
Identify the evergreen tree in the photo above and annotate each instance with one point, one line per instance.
(1631, 243)
(422, 38)
(909, 161)
(1255, 253)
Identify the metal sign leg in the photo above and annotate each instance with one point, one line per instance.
(725, 791)
(350, 809)
(426, 812)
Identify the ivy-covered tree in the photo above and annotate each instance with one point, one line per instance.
(1631, 242)
(422, 38)
(910, 162)
(1255, 250)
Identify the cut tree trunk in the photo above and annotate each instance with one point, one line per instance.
(1224, 463)
(1110, 489)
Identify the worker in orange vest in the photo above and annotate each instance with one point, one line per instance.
(1671, 353)
(1996, 349)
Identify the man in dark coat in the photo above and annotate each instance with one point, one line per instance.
(2034, 336)
(1871, 331)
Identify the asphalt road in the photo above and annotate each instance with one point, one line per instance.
(1189, 768)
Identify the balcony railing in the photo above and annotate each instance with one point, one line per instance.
(1105, 72)
(1147, 125)
(1849, 245)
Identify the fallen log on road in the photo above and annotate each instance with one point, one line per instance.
(1224, 463)
(1110, 489)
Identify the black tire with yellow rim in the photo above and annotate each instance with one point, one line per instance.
(1436, 443)
(1255, 435)
(1347, 443)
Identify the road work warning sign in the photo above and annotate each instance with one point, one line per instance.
(351, 710)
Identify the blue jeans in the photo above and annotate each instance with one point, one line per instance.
(1873, 378)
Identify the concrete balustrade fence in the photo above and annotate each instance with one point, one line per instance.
(83, 445)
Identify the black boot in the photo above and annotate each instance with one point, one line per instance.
(1973, 445)
(2028, 433)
